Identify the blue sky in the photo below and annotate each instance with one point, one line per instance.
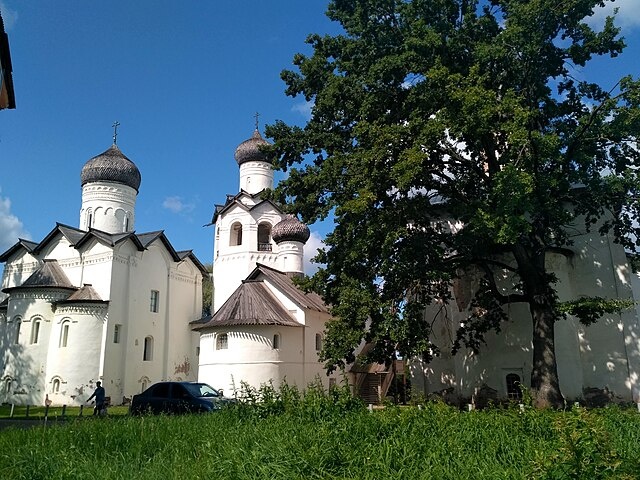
(184, 79)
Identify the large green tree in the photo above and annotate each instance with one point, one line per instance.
(456, 135)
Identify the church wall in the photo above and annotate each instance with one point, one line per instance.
(25, 360)
(232, 263)
(315, 369)
(587, 356)
(73, 366)
(58, 248)
(249, 357)
(148, 271)
(17, 269)
(185, 305)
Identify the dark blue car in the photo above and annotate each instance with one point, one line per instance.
(178, 397)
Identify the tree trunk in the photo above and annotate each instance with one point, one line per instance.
(545, 388)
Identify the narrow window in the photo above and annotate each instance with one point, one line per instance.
(318, 342)
(147, 355)
(35, 331)
(276, 341)
(64, 334)
(55, 388)
(513, 387)
(264, 237)
(197, 351)
(17, 337)
(222, 342)
(116, 333)
(7, 386)
(144, 383)
(155, 296)
(89, 220)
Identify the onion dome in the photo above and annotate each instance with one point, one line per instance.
(249, 150)
(111, 166)
(290, 229)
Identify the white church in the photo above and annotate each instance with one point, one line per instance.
(101, 302)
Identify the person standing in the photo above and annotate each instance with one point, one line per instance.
(100, 396)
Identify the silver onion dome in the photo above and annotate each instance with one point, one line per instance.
(290, 229)
(249, 150)
(111, 166)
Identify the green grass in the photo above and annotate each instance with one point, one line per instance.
(320, 436)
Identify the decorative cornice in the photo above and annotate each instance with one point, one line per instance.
(97, 310)
(40, 294)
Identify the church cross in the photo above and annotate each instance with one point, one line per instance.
(257, 115)
(115, 126)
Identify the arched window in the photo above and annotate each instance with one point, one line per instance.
(64, 333)
(513, 386)
(126, 223)
(264, 237)
(35, 331)
(276, 341)
(235, 237)
(89, 219)
(222, 342)
(8, 384)
(144, 383)
(318, 342)
(147, 355)
(55, 385)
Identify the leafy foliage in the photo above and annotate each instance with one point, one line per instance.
(590, 309)
(449, 138)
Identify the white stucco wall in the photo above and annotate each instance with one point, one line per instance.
(601, 355)
(109, 207)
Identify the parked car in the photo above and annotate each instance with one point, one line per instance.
(178, 397)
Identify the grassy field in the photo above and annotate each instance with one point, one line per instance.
(320, 436)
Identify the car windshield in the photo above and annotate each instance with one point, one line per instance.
(201, 390)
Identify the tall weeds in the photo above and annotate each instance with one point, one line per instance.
(287, 433)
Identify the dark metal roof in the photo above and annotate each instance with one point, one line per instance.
(48, 275)
(251, 304)
(249, 150)
(86, 294)
(111, 166)
(290, 229)
(4, 304)
(189, 254)
(27, 245)
(283, 282)
(235, 200)
(77, 238)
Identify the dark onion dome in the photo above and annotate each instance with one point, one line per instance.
(290, 229)
(249, 150)
(111, 166)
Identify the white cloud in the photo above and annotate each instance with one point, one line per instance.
(9, 16)
(175, 204)
(311, 250)
(11, 227)
(304, 109)
(628, 14)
